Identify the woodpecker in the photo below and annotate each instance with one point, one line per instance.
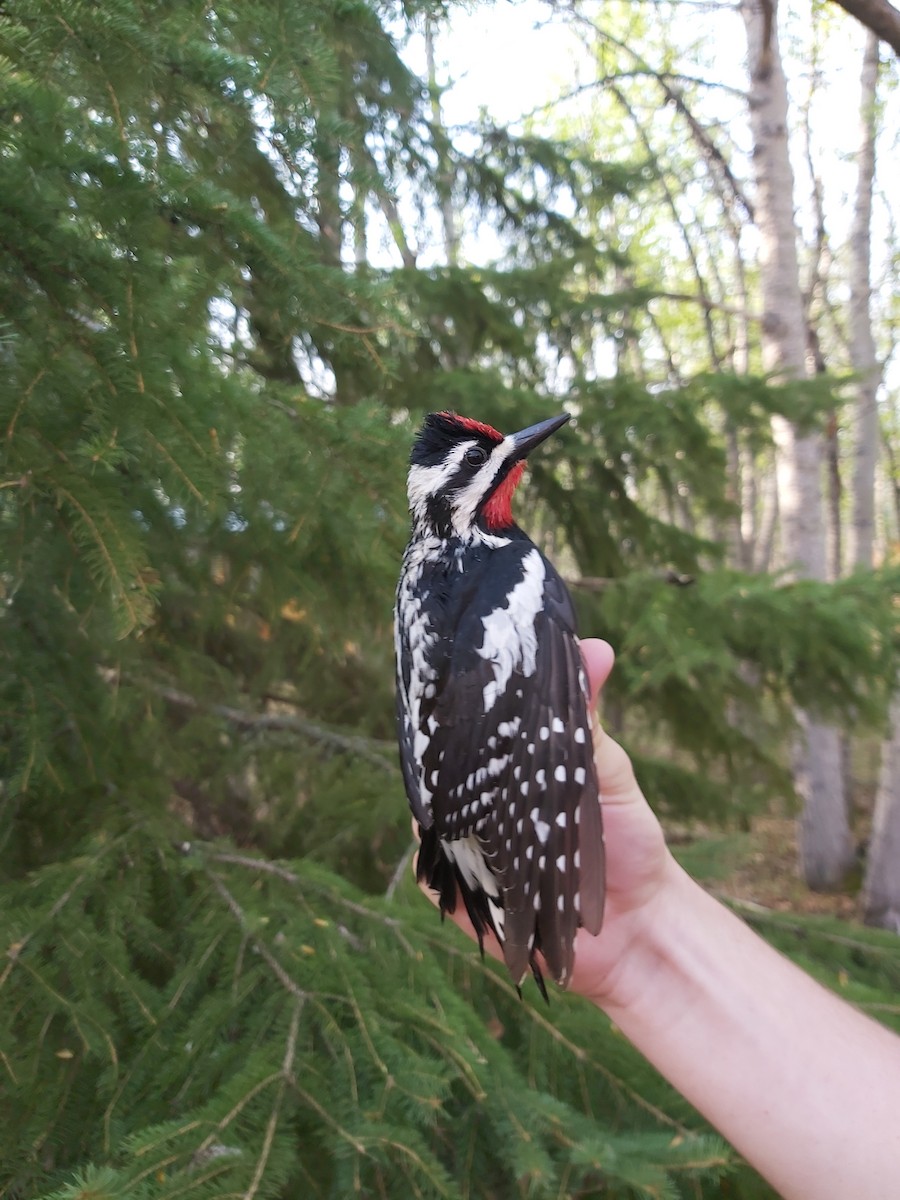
(493, 708)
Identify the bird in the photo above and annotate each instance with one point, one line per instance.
(493, 706)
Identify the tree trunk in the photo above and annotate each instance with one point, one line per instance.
(881, 890)
(862, 344)
(764, 556)
(445, 168)
(826, 849)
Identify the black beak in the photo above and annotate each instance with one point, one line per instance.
(527, 439)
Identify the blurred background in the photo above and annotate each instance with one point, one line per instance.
(244, 248)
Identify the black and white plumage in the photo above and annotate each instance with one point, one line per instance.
(493, 711)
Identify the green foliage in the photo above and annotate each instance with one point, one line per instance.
(211, 1024)
(731, 656)
(209, 383)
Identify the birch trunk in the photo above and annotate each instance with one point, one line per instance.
(862, 344)
(881, 888)
(826, 849)
(445, 172)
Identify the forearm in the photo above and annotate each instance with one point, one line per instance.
(802, 1084)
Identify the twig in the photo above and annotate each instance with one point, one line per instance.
(261, 948)
(287, 1067)
(705, 302)
(254, 864)
(400, 870)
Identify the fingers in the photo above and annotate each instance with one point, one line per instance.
(598, 659)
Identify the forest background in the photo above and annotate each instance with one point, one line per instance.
(243, 249)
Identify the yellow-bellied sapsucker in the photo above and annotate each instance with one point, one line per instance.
(493, 710)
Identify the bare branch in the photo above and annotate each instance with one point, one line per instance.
(676, 216)
(879, 16)
(400, 870)
(366, 748)
(708, 303)
(597, 583)
(711, 153)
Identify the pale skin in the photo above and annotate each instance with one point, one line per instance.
(805, 1086)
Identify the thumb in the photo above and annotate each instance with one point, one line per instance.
(615, 774)
(598, 660)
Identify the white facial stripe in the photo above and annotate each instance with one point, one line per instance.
(467, 499)
(424, 482)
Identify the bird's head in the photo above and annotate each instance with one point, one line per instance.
(463, 474)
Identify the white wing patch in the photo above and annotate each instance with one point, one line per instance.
(510, 641)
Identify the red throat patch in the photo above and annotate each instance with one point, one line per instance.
(498, 510)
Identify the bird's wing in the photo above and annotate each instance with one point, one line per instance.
(509, 757)
(415, 692)
(420, 805)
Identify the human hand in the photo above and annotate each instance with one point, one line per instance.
(638, 864)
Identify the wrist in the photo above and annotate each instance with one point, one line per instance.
(647, 940)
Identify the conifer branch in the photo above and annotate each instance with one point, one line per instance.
(137, 612)
(26, 394)
(179, 470)
(200, 1153)
(442, 1043)
(254, 864)
(354, 745)
(280, 406)
(760, 914)
(287, 1067)
(126, 1078)
(14, 952)
(327, 1118)
(288, 876)
(578, 1052)
(261, 948)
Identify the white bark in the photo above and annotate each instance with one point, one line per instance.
(445, 175)
(826, 850)
(881, 890)
(862, 344)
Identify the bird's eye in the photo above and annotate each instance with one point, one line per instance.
(476, 456)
